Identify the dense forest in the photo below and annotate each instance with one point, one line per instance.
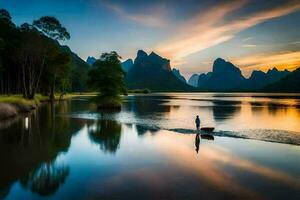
(32, 60)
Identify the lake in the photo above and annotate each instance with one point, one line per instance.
(150, 149)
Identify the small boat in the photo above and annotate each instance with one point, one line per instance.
(207, 129)
(207, 137)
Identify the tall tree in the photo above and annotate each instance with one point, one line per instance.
(53, 29)
(32, 55)
(57, 71)
(108, 77)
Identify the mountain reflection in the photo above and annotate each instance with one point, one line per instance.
(107, 134)
(29, 147)
(143, 105)
(223, 110)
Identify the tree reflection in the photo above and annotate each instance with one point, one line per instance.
(46, 179)
(23, 150)
(107, 134)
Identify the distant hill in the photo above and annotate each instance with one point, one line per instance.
(153, 72)
(193, 80)
(126, 65)
(176, 72)
(259, 79)
(91, 60)
(290, 83)
(224, 77)
(79, 71)
(227, 77)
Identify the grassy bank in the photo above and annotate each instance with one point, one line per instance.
(12, 105)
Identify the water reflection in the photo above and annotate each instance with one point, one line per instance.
(46, 179)
(142, 130)
(197, 142)
(144, 105)
(54, 152)
(107, 134)
(29, 146)
(223, 110)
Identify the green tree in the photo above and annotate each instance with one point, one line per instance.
(5, 17)
(57, 73)
(58, 64)
(32, 55)
(108, 76)
(52, 28)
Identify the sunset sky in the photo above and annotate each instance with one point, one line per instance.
(252, 34)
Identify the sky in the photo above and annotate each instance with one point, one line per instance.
(252, 34)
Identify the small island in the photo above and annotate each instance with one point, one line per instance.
(107, 77)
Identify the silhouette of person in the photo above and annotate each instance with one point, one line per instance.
(197, 142)
(197, 121)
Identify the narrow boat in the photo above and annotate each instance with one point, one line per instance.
(207, 129)
(207, 137)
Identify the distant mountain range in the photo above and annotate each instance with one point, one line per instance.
(126, 65)
(155, 73)
(289, 83)
(227, 77)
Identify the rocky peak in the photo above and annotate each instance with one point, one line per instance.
(193, 81)
(126, 65)
(222, 66)
(91, 60)
(176, 72)
(152, 60)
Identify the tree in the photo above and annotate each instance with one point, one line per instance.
(1, 63)
(108, 76)
(32, 55)
(52, 28)
(58, 70)
(5, 17)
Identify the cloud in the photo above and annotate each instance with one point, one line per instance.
(247, 39)
(154, 16)
(281, 60)
(209, 28)
(249, 45)
(297, 42)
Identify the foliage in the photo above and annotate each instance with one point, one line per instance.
(52, 28)
(31, 58)
(108, 76)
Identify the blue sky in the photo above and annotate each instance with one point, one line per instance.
(253, 34)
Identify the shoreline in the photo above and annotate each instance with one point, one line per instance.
(15, 105)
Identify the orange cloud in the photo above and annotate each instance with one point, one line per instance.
(209, 28)
(282, 60)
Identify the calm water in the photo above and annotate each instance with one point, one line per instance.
(149, 150)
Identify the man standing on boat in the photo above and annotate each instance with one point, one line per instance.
(197, 121)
